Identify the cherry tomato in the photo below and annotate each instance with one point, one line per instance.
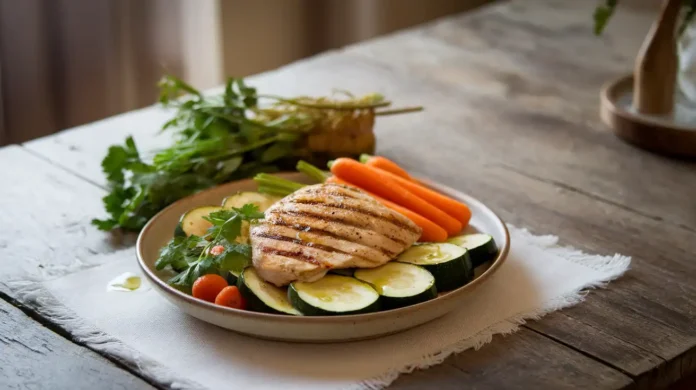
(230, 297)
(207, 287)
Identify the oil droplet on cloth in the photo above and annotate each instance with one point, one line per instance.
(127, 281)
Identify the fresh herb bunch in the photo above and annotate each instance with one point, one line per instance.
(228, 137)
(604, 12)
(192, 255)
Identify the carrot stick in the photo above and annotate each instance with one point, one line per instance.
(452, 207)
(456, 209)
(382, 184)
(384, 164)
(431, 231)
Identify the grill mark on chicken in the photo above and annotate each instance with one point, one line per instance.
(333, 193)
(298, 255)
(355, 190)
(306, 214)
(306, 228)
(324, 248)
(389, 219)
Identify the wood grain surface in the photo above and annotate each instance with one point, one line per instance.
(512, 94)
(33, 357)
(45, 222)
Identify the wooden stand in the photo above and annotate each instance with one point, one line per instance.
(660, 134)
(641, 108)
(655, 74)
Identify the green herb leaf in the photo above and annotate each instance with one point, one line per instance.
(185, 279)
(172, 87)
(249, 212)
(231, 229)
(235, 258)
(104, 224)
(277, 151)
(179, 251)
(602, 15)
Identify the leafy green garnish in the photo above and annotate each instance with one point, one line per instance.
(223, 138)
(192, 255)
(602, 14)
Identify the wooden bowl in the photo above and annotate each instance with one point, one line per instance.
(305, 328)
(660, 134)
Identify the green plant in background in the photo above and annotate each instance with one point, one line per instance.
(604, 12)
(231, 136)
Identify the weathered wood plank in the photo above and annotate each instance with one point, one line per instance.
(82, 148)
(525, 360)
(631, 358)
(529, 367)
(33, 357)
(45, 218)
(444, 376)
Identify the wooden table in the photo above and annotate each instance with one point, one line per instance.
(512, 118)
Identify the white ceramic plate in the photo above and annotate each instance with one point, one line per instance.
(308, 329)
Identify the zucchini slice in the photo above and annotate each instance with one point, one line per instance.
(343, 271)
(449, 263)
(400, 284)
(192, 222)
(333, 295)
(263, 201)
(263, 296)
(481, 247)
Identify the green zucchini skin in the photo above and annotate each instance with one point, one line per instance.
(387, 301)
(232, 278)
(480, 253)
(254, 303)
(192, 222)
(179, 230)
(343, 271)
(451, 274)
(311, 310)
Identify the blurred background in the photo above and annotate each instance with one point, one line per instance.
(68, 62)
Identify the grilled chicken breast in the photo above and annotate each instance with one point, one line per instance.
(323, 227)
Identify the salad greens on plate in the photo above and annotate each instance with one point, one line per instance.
(194, 256)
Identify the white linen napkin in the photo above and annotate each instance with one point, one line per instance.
(172, 347)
